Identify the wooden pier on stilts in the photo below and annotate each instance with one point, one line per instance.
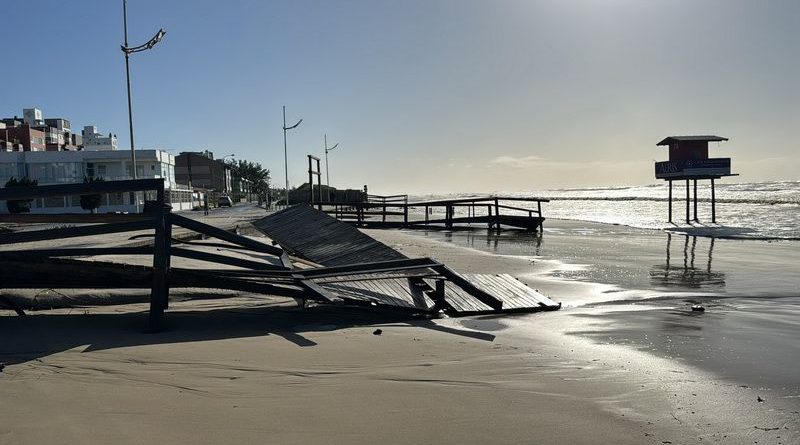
(495, 212)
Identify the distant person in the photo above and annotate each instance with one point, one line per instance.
(205, 204)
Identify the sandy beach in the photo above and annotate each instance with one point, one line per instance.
(249, 369)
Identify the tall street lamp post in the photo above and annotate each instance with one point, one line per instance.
(285, 153)
(127, 50)
(327, 170)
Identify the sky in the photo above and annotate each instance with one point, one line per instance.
(424, 96)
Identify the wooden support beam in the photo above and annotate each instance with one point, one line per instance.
(695, 200)
(669, 200)
(224, 235)
(687, 201)
(713, 205)
(223, 259)
(470, 288)
(72, 274)
(42, 254)
(159, 293)
(71, 218)
(497, 213)
(72, 232)
(313, 289)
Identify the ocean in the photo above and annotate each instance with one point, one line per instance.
(759, 210)
(745, 271)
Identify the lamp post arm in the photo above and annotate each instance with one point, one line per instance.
(293, 126)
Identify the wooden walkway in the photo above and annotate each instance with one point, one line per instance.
(317, 237)
(493, 211)
(365, 271)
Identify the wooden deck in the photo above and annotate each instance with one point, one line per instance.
(493, 211)
(365, 271)
(320, 238)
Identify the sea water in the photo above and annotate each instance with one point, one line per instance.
(759, 210)
(745, 270)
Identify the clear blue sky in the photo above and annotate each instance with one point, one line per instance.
(425, 95)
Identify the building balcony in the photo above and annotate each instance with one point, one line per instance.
(694, 168)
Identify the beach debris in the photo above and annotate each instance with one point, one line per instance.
(377, 332)
(2, 367)
(760, 400)
(698, 308)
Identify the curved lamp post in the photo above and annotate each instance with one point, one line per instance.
(285, 156)
(327, 170)
(128, 50)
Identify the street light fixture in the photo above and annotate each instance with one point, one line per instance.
(128, 50)
(327, 170)
(285, 155)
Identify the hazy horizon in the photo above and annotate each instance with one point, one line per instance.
(426, 96)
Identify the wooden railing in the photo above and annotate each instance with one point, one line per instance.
(398, 206)
(28, 268)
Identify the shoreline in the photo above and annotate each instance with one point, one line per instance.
(247, 368)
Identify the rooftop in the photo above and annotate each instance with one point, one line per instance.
(707, 138)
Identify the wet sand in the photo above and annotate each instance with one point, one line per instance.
(259, 370)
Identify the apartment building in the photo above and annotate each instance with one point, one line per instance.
(64, 167)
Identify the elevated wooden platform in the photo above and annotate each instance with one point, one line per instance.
(440, 214)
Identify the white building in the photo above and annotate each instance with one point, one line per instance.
(32, 117)
(64, 167)
(93, 141)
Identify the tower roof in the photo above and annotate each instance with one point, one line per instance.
(707, 138)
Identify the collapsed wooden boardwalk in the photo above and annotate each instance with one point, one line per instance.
(318, 258)
(397, 281)
(396, 211)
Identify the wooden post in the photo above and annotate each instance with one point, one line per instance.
(497, 213)
(669, 206)
(383, 212)
(405, 214)
(159, 291)
(319, 186)
(490, 221)
(310, 183)
(539, 207)
(426, 214)
(687, 201)
(713, 205)
(167, 249)
(695, 200)
(449, 216)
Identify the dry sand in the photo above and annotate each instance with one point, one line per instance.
(258, 370)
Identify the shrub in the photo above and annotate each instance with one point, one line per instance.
(91, 202)
(22, 205)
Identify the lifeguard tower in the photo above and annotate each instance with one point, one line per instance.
(688, 160)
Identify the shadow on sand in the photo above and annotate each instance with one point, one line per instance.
(41, 334)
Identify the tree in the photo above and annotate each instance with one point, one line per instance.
(253, 172)
(91, 202)
(22, 205)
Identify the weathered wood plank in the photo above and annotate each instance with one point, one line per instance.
(73, 232)
(72, 218)
(224, 235)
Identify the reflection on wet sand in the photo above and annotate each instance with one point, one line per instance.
(490, 240)
(687, 274)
